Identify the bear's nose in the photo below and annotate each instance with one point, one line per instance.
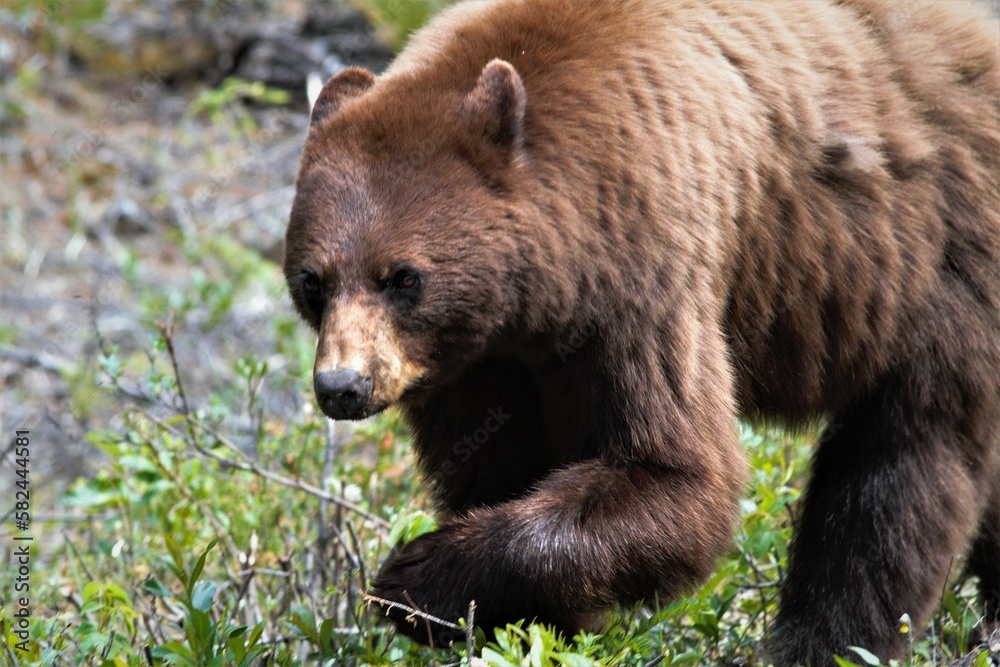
(343, 393)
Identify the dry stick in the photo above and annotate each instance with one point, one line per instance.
(322, 529)
(248, 575)
(760, 576)
(362, 573)
(352, 554)
(153, 617)
(348, 550)
(427, 623)
(167, 331)
(410, 611)
(470, 642)
(248, 466)
(249, 590)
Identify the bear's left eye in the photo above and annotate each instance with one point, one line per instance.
(310, 284)
(405, 279)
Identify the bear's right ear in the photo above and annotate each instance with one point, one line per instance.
(348, 84)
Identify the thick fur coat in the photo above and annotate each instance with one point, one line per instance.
(576, 239)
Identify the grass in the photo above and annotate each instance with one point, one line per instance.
(218, 533)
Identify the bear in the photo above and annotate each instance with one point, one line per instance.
(575, 241)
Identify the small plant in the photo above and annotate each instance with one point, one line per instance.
(231, 97)
(206, 639)
(396, 20)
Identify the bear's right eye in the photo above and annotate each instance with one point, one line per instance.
(312, 290)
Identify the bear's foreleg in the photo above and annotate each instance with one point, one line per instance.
(589, 536)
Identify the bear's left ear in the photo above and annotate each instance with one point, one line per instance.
(352, 82)
(494, 111)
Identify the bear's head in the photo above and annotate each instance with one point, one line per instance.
(400, 250)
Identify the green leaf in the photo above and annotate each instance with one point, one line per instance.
(200, 565)
(88, 496)
(326, 634)
(156, 588)
(303, 621)
(687, 658)
(495, 659)
(574, 660)
(91, 591)
(844, 663)
(113, 592)
(408, 526)
(866, 655)
(202, 596)
(49, 655)
(537, 653)
(174, 653)
(177, 566)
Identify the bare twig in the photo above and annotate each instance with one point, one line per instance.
(323, 528)
(470, 642)
(167, 331)
(427, 622)
(410, 611)
(746, 584)
(356, 561)
(152, 619)
(249, 466)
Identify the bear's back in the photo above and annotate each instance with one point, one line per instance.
(814, 175)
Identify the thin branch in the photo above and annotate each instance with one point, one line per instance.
(167, 331)
(248, 466)
(746, 584)
(410, 611)
(470, 642)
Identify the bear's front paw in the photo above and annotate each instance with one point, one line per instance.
(427, 575)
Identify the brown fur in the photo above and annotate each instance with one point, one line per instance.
(647, 218)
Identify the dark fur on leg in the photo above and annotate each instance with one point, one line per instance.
(863, 557)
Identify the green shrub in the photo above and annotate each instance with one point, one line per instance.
(396, 20)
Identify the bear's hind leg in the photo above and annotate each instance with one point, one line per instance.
(895, 496)
(984, 561)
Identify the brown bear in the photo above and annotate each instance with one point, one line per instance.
(575, 240)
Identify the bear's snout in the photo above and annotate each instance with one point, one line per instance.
(343, 393)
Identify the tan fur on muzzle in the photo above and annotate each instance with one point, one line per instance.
(362, 338)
